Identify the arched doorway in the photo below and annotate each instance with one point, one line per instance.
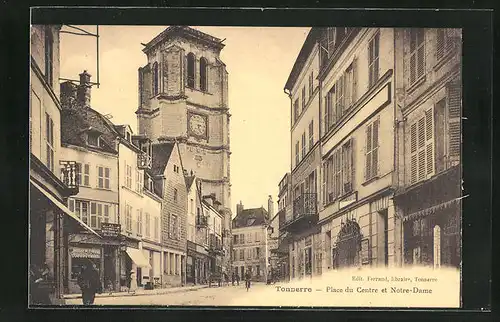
(348, 245)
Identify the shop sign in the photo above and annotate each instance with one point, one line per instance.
(80, 252)
(350, 199)
(201, 249)
(191, 245)
(110, 230)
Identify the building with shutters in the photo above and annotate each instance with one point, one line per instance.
(52, 175)
(183, 97)
(250, 242)
(303, 88)
(284, 237)
(428, 92)
(357, 215)
(89, 138)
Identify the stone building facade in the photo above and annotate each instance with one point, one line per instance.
(183, 97)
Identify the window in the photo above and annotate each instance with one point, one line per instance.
(103, 177)
(249, 238)
(203, 74)
(297, 153)
(235, 239)
(49, 140)
(340, 97)
(296, 110)
(311, 85)
(337, 174)
(242, 254)
(249, 253)
(257, 236)
(347, 167)
(257, 252)
(311, 134)
(349, 87)
(128, 217)
(128, 176)
(138, 181)
(371, 152)
(93, 139)
(83, 177)
(303, 98)
(148, 225)
(303, 145)
(157, 228)
(190, 70)
(49, 56)
(82, 210)
(444, 43)
(417, 55)
(99, 212)
(422, 147)
(175, 195)
(242, 238)
(174, 227)
(139, 221)
(156, 79)
(373, 60)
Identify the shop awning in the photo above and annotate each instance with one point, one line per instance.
(138, 257)
(431, 210)
(62, 207)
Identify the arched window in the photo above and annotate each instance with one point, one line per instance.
(203, 74)
(190, 70)
(155, 78)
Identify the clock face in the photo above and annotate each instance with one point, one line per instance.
(198, 125)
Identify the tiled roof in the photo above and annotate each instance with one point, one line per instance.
(161, 155)
(250, 217)
(76, 121)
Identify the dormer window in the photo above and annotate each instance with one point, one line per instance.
(128, 137)
(93, 139)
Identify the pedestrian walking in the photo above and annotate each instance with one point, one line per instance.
(248, 278)
(232, 278)
(133, 282)
(237, 279)
(89, 283)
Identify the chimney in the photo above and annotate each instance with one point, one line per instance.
(68, 95)
(239, 208)
(270, 207)
(84, 89)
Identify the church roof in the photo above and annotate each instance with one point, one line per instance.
(184, 32)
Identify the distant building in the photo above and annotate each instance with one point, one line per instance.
(250, 242)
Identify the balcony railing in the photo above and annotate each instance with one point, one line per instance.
(201, 221)
(305, 205)
(69, 175)
(144, 161)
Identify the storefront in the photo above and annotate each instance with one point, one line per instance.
(151, 278)
(51, 222)
(197, 264)
(431, 214)
(103, 252)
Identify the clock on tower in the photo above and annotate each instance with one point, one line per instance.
(197, 125)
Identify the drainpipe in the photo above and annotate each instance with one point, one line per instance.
(119, 252)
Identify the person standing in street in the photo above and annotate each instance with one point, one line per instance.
(248, 278)
(237, 279)
(232, 278)
(89, 283)
(133, 282)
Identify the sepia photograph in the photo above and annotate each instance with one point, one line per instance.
(245, 166)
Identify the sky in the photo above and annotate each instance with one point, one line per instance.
(258, 60)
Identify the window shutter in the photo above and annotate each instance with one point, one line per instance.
(440, 34)
(324, 183)
(185, 70)
(429, 141)
(375, 164)
(326, 113)
(421, 59)
(368, 148)
(178, 229)
(71, 205)
(351, 160)
(413, 153)
(354, 80)
(454, 96)
(421, 148)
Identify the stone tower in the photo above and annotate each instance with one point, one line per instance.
(183, 97)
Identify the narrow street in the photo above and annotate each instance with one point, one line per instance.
(227, 295)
